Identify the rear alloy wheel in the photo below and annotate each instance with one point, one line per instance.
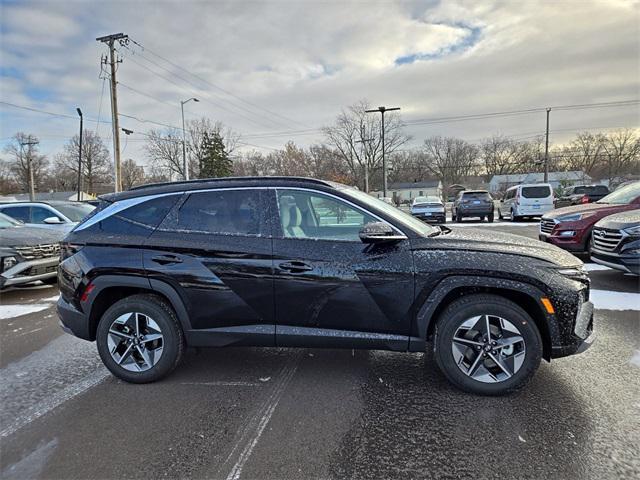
(139, 339)
(487, 345)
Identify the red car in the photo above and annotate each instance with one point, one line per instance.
(570, 227)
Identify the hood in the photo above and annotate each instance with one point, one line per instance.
(619, 221)
(481, 240)
(20, 236)
(587, 207)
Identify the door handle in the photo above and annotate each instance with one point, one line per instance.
(166, 259)
(295, 266)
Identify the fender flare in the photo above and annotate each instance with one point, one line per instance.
(103, 282)
(425, 315)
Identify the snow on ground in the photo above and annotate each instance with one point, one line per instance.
(593, 267)
(608, 300)
(10, 311)
(494, 224)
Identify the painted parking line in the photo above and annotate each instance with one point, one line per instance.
(11, 311)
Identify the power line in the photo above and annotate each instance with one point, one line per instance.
(216, 86)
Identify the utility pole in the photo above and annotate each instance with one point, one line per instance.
(384, 163)
(546, 151)
(80, 155)
(30, 142)
(364, 141)
(185, 167)
(110, 40)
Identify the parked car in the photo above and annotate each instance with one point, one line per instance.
(580, 194)
(27, 254)
(54, 215)
(473, 203)
(570, 227)
(296, 262)
(615, 241)
(526, 200)
(429, 209)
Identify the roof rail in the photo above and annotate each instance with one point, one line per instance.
(229, 179)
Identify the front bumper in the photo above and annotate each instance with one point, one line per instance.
(583, 334)
(29, 272)
(574, 244)
(624, 263)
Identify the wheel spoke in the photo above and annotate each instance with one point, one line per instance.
(144, 353)
(124, 356)
(507, 342)
(151, 337)
(499, 363)
(137, 324)
(474, 366)
(119, 334)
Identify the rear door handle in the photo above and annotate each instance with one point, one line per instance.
(166, 259)
(295, 266)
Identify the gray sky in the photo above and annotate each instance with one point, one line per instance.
(292, 66)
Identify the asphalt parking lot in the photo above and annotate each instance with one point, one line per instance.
(284, 413)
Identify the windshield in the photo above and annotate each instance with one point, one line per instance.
(398, 215)
(624, 195)
(74, 211)
(7, 222)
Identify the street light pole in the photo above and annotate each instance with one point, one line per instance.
(30, 142)
(382, 110)
(80, 155)
(184, 139)
(546, 151)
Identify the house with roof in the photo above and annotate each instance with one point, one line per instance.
(402, 192)
(499, 183)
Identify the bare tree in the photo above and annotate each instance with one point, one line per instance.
(585, 153)
(23, 149)
(501, 155)
(450, 159)
(356, 136)
(132, 174)
(622, 150)
(164, 150)
(96, 164)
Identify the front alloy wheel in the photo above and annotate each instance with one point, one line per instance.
(486, 344)
(488, 348)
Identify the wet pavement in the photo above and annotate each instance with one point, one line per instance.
(283, 413)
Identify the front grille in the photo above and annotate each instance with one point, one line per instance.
(35, 252)
(606, 239)
(546, 225)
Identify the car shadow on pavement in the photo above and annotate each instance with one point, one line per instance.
(415, 424)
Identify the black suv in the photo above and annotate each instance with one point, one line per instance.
(472, 203)
(294, 262)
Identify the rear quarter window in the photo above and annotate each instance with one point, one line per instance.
(536, 192)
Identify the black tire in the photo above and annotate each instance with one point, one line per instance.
(490, 217)
(173, 337)
(514, 218)
(458, 218)
(500, 217)
(480, 304)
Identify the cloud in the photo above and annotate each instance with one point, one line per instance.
(302, 62)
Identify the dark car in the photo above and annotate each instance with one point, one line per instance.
(294, 262)
(615, 242)
(27, 254)
(473, 203)
(570, 227)
(581, 194)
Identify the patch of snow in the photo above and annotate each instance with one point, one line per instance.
(265, 379)
(593, 267)
(521, 439)
(635, 358)
(10, 311)
(608, 300)
(51, 299)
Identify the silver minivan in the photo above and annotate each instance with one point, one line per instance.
(527, 200)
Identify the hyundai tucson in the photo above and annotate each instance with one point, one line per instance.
(295, 262)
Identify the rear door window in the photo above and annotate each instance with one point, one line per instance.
(223, 212)
(19, 213)
(38, 214)
(542, 191)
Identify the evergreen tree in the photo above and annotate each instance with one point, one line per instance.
(215, 161)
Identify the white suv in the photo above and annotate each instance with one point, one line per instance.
(54, 215)
(527, 200)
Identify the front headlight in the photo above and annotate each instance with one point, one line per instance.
(632, 230)
(8, 262)
(574, 217)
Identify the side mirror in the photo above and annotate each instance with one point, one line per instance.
(379, 232)
(52, 221)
